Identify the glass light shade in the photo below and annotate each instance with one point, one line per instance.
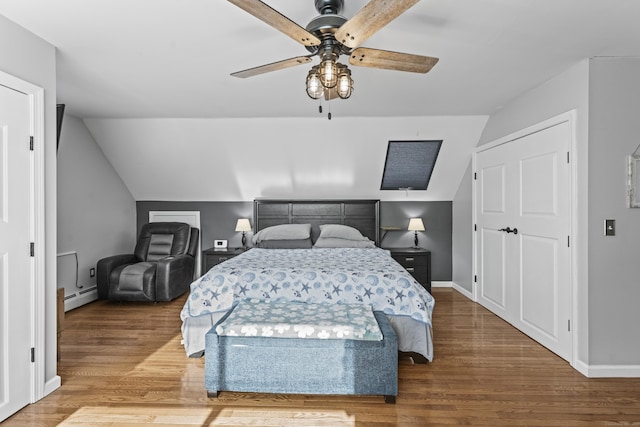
(328, 73)
(415, 224)
(243, 224)
(345, 84)
(314, 86)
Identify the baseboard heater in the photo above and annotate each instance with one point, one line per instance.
(81, 297)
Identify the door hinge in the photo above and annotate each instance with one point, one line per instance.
(568, 241)
(31, 143)
(475, 278)
(569, 325)
(568, 157)
(475, 175)
(475, 227)
(32, 248)
(33, 354)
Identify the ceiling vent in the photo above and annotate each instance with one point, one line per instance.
(409, 164)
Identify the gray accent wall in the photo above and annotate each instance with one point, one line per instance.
(218, 221)
(28, 57)
(96, 211)
(436, 217)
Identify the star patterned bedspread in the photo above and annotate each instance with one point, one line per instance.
(320, 276)
(287, 319)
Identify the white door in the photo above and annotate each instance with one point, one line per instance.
(523, 228)
(15, 258)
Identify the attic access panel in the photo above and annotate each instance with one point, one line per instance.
(409, 164)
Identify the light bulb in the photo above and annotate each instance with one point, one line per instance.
(345, 84)
(314, 86)
(328, 73)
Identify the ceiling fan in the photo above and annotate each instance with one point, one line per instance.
(331, 35)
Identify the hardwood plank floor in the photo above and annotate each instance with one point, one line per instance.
(123, 364)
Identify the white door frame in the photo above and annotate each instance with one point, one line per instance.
(570, 118)
(37, 229)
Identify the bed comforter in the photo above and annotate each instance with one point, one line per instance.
(320, 276)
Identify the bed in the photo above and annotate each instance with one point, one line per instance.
(320, 269)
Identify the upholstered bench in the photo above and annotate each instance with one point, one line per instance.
(251, 362)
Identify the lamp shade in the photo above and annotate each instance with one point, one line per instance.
(416, 224)
(243, 224)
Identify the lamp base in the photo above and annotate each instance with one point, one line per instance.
(244, 240)
(415, 240)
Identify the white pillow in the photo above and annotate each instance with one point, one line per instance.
(341, 232)
(283, 232)
(336, 242)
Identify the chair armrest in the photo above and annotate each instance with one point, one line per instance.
(105, 267)
(174, 274)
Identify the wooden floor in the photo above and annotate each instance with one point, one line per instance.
(123, 364)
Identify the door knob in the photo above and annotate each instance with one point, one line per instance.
(509, 230)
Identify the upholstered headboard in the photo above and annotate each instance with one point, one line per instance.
(360, 214)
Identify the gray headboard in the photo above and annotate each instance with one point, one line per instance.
(360, 214)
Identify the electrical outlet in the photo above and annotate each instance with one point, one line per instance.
(609, 227)
(92, 272)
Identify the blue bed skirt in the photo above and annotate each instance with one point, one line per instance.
(303, 365)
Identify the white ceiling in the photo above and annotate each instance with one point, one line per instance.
(172, 58)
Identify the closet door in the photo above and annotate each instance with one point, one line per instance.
(496, 209)
(16, 284)
(522, 213)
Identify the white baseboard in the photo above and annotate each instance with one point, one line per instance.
(82, 297)
(52, 385)
(608, 371)
(439, 284)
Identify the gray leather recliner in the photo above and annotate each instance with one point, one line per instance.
(160, 269)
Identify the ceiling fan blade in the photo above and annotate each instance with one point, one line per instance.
(376, 58)
(373, 16)
(274, 66)
(278, 21)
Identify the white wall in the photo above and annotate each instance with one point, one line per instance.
(567, 91)
(243, 159)
(96, 212)
(30, 58)
(614, 276)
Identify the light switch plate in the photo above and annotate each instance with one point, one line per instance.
(609, 227)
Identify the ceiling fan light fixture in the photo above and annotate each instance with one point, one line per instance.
(330, 36)
(314, 87)
(345, 82)
(328, 73)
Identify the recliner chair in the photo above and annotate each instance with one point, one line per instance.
(160, 269)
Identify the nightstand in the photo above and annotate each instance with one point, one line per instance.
(415, 261)
(211, 257)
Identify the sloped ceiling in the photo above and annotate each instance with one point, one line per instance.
(243, 159)
(142, 71)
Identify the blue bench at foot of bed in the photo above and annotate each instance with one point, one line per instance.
(303, 365)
